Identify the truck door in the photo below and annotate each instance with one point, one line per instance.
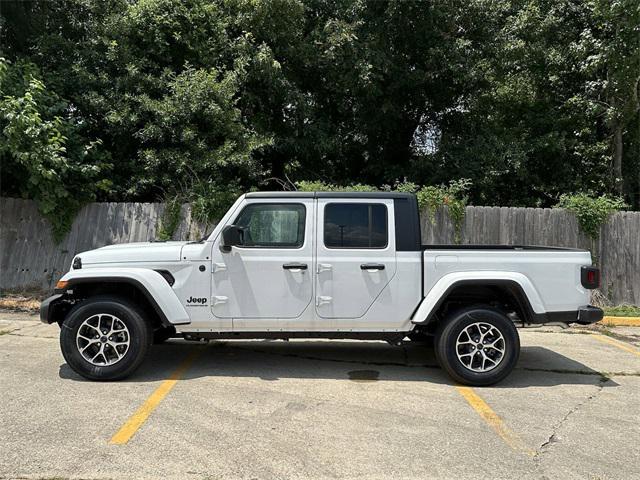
(356, 255)
(270, 275)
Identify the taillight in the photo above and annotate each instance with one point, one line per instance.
(590, 277)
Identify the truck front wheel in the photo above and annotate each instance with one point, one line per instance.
(477, 346)
(104, 338)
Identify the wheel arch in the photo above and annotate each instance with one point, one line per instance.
(516, 293)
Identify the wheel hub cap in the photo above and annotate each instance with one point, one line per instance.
(480, 347)
(103, 339)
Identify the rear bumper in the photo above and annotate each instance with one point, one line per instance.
(583, 316)
(589, 314)
(46, 308)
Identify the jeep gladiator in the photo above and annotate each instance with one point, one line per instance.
(284, 265)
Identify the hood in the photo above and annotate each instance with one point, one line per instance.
(134, 252)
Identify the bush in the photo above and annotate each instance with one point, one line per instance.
(591, 212)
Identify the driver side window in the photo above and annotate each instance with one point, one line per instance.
(272, 225)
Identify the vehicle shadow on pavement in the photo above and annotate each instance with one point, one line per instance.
(342, 360)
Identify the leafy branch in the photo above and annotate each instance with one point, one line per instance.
(453, 196)
(591, 212)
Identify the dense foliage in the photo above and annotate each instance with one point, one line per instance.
(591, 212)
(200, 99)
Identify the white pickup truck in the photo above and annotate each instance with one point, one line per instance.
(286, 265)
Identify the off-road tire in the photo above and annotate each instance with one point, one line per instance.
(446, 350)
(139, 331)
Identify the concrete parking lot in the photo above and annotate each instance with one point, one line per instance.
(320, 409)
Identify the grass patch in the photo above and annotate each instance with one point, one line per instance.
(622, 311)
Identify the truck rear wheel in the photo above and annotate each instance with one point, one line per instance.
(477, 346)
(105, 338)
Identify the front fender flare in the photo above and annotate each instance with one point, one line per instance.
(152, 285)
(439, 292)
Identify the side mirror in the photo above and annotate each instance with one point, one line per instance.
(232, 235)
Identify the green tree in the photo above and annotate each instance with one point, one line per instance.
(528, 99)
(42, 154)
(614, 43)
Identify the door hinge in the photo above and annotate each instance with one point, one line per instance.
(321, 300)
(218, 267)
(219, 300)
(324, 267)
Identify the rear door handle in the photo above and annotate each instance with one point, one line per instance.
(371, 266)
(295, 266)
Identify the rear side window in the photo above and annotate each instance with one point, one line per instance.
(275, 225)
(355, 225)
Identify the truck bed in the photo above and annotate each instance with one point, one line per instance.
(500, 247)
(553, 273)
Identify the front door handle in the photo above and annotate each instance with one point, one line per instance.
(371, 266)
(295, 267)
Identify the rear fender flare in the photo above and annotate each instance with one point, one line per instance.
(438, 294)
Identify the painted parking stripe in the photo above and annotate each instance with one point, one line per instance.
(621, 345)
(136, 420)
(493, 420)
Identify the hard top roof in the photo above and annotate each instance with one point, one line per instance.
(329, 195)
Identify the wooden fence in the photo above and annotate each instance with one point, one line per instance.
(30, 259)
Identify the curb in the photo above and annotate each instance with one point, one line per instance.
(621, 321)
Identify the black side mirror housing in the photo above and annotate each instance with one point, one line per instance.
(232, 235)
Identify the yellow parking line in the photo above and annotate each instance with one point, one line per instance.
(622, 346)
(493, 420)
(621, 321)
(136, 420)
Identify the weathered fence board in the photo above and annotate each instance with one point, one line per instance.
(30, 259)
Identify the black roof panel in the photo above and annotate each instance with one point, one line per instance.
(329, 195)
(280, 195)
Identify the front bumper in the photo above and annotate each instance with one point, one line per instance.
(589, 314)
(46, 308)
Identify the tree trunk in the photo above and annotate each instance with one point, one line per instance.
(618, 183)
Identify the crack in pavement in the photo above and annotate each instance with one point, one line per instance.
(553, 437)
(13, 334)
